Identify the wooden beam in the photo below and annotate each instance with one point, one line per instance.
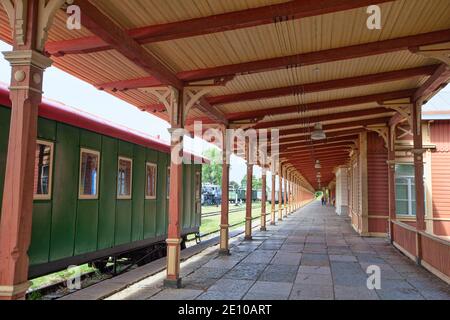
(330, 136)
(236, 116)
(324, 85)
(308, 145)
(107, 30)
(328, 117)
(215, 23)
(211, 112)
(439, 77)
(337, 126)
(316, 57)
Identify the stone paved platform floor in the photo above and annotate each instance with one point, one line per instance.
(312, 255)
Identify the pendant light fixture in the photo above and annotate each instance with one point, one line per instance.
(318, 133)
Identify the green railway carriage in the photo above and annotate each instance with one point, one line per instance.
(98, 193)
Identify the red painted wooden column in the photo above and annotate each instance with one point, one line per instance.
(263, 199)
(280, 193)
(272, 212)
(418, 165)
(224, 225)
(28, 66)
(173, 240)
(391, 181)
(248, 195)
(286, 193)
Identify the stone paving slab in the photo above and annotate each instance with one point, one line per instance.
(312, 255)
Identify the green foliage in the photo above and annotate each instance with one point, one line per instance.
(234, 185)
(256, 183)
(212, 172)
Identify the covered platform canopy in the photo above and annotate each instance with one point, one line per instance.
(262, 64)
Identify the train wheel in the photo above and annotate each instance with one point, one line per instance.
(100, 265)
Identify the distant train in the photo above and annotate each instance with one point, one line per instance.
(101, 191)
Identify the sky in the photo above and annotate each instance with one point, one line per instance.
(64, 88)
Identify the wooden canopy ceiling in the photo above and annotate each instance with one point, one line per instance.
(274, 63)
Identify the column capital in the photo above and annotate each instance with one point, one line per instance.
(26, 58)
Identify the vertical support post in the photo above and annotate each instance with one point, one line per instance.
(418, 152)
(28, 65)
(272, 212)
(224, 225)
(263, 199)
(173, 240)
(286, 193)
(280, 193)
(248, 194)
(391, 181)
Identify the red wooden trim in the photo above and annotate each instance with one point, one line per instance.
(316, 57)
(325, 85)
(215, 23)
(321, 105)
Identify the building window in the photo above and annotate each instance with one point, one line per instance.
(405, 192)
(168, 183)
(150, 181)
(89, 174)
(43, 167)
(124, 178)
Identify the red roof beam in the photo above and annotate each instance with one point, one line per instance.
(211, 24)
(321, 105)
(324, 85)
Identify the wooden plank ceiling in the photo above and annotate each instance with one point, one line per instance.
(278, 64)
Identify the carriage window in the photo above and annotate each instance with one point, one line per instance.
(168, 183)
(43, 170)
(124, 178)
(150, 182)
(89, 174)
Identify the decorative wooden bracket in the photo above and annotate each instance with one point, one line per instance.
(392, 131)
(168, 96)
(404, 109)
(382, 132)
(17, 15)
(442, 55)
(192, 96)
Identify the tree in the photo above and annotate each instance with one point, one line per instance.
(234, 185)
(212, 172)
(256, 183)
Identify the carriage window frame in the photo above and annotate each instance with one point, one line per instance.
(48, 196)
(154, 165)
(97, 178)
(168, 182)
(125, 197)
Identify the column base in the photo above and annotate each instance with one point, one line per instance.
(173, 284)
(224, 252)
(263, 229)
(280, 219)
(14, 292)
(272, 223)
(248, 238)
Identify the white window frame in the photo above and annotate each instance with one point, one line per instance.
(168, 182)
(48, 196)
(411, 190)
(86, 196)
(151, 164)
(124, 197)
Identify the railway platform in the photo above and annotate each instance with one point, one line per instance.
(313, 254)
